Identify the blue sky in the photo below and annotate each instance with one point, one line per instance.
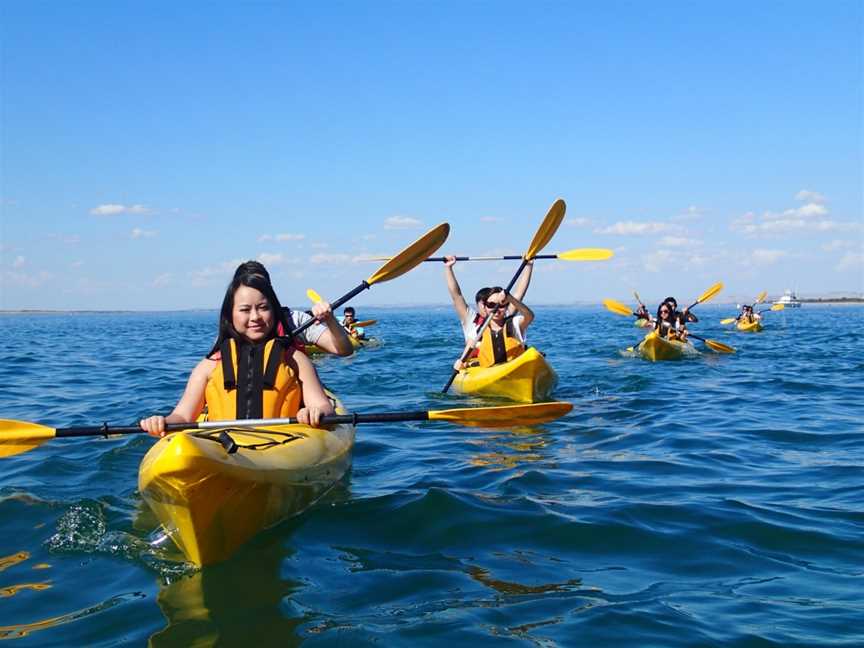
(149, 147)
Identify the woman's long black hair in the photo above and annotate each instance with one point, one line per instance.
(253, 275)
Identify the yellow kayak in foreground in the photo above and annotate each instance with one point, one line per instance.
(211, 501)
(655, 348)
(526, 379)
(749, 327)
(314, 349)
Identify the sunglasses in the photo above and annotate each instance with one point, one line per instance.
(493, 305)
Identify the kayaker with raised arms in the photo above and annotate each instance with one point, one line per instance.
(250, 372)
(326, 333)
(472, 318)
(504, 337)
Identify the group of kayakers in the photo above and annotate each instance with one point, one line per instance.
(669, 321)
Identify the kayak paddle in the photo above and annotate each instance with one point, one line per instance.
(618, 308)
(708, 294)
(407, 259)
(576, 254)
(543, 235)
(314, 297)
(17, 437)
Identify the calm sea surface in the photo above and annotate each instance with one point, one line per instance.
(716, 501)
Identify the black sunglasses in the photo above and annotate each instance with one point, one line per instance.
(494, 305)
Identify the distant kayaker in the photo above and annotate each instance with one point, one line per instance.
(642, 313)
(250, 372)
(471, 318)
(349, 322)
(747, 315)
(326, 333)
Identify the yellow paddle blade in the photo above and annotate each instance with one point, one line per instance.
(761, 297)
(503, 416)
(719, 346)
(19, 436)
(365, 323)
(413, 255)
(708, 294)
(547, 228)
(586, 254)
(617, 307)
(778, 307)
(728, 320)
(313, 296)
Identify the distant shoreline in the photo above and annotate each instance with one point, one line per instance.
(834, 301)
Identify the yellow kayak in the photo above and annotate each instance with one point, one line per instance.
(655, 348)
(314, 349)
(749, 327)
(211, 501)
(526, 379)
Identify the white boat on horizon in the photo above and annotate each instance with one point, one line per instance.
(789, 299)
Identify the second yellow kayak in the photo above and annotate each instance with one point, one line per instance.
(749, 327)
(526, 379)
(655, 348)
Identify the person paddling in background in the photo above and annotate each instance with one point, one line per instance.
(326, 333)
(747, 315)
(667, 325)
(251, 372)
(642, 313)
(471, 318)
(349, 323)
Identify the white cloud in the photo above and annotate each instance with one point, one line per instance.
(633, 228)
(679, 241)
(320, 246)
(809, 196)
(112, 209)
(851, 261)
(216, 273)
(577, 222)
(763, 257)
(837, 244)
(330, 259)
(18, 262)
(690, 214)
(138, 233)
(28, 280)
(164, 279)
(269, 259)
(401, 222)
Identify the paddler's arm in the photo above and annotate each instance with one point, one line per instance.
(190, 405)
(453, 288)
(526, 313)
(524, 281)
(315, 401)
(335, 339)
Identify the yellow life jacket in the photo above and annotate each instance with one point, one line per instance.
(501, 346)
(252, 382)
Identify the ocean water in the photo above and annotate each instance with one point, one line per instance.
(715, 501)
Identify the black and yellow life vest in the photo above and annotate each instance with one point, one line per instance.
(499, 346)
(252, 382)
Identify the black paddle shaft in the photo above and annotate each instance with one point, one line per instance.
(483, 327)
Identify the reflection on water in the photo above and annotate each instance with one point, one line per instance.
(243, 601)
(515, 446)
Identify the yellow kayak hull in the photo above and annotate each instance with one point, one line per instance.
(314, 349)
(211, 502)
(656, 348)
(749, 327)
(525, 379)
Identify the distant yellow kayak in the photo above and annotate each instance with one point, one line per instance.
(749, 327)
(210, 501)
(655, 348)
(525, 379)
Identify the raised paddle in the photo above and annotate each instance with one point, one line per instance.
(708, 294)
(576, 254)
(543, 235)
(17, 437)
(407, 259)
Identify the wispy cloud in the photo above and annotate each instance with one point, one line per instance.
(579, 221)
(218, 273)
(809, 217)
(851, 261)
(27, 280)
(401, 222)
(634, 228)
(330, 259)
(18, 262)
(810, 196)
(138, 233)
(763, 257)
(679, 241)
(113, 209)
(162, 280)
(281, 237)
